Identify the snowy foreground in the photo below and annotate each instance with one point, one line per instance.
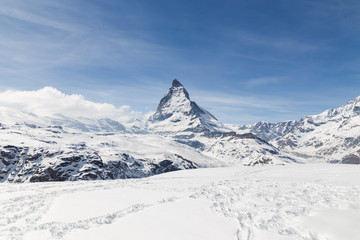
(313, 201)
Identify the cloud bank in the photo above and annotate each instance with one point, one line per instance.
(49, 101)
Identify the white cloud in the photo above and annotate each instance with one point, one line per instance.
(49, 101)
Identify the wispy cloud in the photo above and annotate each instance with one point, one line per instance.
(280, 43)
(47, 41)
(255, 82)
(220, 99)
(36, 19)
(248, 109)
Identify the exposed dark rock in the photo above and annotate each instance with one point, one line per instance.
(356, 110)
(189, 164)
(165, 163)
(352, 142)
(262, 161)
(194, 144)
(176, 83)
(351, 159)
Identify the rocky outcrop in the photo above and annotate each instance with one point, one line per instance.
(23, 164)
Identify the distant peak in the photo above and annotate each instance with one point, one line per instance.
(176, 83)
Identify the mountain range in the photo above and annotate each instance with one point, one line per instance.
(179, 135)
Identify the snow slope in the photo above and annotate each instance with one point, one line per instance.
(307, 201)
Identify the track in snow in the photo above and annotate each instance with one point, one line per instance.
(271, 202)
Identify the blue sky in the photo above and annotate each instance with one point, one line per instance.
(244, 61)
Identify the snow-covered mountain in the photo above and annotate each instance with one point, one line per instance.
(332, 136)
(264, 130)
(177, 113)
(180, 135)
(31, 152)
(182, 120)
(34, 148)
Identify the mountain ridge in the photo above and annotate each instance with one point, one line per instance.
(331, 136)
(192, 125)
(179, 135)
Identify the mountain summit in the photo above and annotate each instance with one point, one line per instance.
(176, 83)
(176, 101)
(181, 119)
(178, 112)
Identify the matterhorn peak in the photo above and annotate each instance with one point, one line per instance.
(177, 89)
(176, 108)
(176, 83)
(176, 100)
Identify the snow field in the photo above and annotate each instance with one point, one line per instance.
(312, 201)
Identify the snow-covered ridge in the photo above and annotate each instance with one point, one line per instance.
(183, 121)
(31, 152)
(351, 109)
(264, 130)
(180, 135)
(332, 136)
